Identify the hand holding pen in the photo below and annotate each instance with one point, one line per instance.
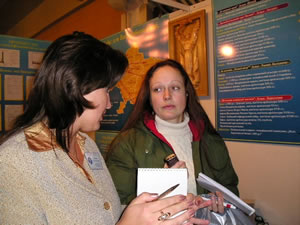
(194, 205)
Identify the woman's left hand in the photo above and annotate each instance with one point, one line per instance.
(217, 200)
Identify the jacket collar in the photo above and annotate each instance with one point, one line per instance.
(40, 138)
(197, 131)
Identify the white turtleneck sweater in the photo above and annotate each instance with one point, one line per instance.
(180, 137)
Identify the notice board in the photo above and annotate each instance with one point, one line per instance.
(257, 45)
(19, 60)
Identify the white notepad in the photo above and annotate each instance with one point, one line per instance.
(158, 180)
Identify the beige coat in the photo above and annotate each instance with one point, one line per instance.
(48, 188)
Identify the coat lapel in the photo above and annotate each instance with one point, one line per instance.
(69, 171)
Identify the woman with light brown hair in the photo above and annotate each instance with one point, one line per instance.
(167, 118)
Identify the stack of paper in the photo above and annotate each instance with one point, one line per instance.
(211, 185)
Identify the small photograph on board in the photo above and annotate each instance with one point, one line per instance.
(9, 58)
(11, 112)
(13, 87)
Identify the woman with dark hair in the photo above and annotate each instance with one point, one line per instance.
(168, 118)
(53, 173)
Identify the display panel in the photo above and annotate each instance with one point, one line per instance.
(257, 70)
(19, 60)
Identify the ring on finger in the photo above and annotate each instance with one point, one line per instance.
(163, 216)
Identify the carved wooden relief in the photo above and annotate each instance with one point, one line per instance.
(187, 39)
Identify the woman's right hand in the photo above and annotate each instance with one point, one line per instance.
(144, 210)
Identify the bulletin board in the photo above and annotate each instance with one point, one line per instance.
(257, 44)
(19, 60)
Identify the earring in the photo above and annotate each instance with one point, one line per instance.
(186, 94)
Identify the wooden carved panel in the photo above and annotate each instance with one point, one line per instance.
(187, 40)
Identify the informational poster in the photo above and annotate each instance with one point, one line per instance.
(19, 60)
(257, 43)
(144, 45)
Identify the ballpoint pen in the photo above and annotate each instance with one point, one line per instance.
(167, 191)
(226, 205)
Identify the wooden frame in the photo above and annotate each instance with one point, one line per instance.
(187, 45)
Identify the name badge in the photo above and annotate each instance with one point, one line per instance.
(94, 161)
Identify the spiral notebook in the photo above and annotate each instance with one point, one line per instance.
(158, 180)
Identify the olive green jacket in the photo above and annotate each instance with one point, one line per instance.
(139, 147)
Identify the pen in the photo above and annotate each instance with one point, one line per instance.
(226, 205)
(167, 191)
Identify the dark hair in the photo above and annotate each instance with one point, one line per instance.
(73, 66)
(142, 105)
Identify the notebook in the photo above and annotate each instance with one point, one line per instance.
(158, 180)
